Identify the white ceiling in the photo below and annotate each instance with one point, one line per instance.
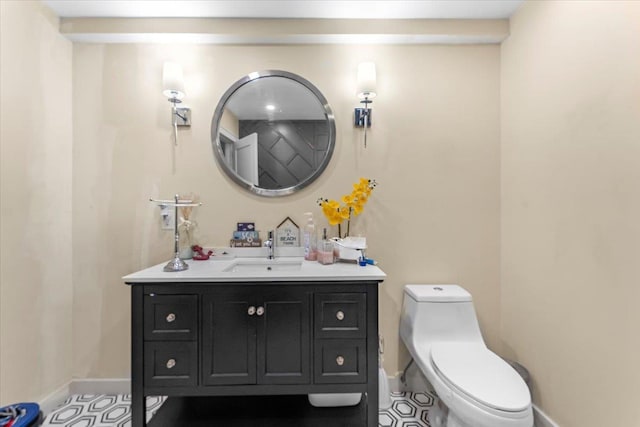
(335, 9)
(290, 99)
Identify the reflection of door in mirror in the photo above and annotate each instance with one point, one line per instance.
(241, 154)
(246, 154)
(229, 137)
(227, 144)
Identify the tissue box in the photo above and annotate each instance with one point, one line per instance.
(347, 248)
(349, 254)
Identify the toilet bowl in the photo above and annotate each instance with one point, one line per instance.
(478, 388)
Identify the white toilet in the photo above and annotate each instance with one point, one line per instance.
(478, 388)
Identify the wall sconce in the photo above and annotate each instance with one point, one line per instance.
(173, 89)
(366, 92)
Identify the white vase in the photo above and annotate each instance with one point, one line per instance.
(185, 253)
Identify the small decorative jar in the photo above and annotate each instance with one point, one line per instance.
(325, 252)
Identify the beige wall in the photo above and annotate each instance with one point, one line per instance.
(571, 207)
(434, 149)
(35, 206)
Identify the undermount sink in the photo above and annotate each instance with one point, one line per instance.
(264, 265)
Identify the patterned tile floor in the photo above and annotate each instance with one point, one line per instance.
(407, 410)
(100, 410)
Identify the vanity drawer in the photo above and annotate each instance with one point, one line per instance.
(170, 317)
(340, 315)
(340, 362)
(170, 363)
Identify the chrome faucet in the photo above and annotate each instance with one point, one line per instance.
(270, 244)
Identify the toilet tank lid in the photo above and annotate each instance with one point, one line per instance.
(437, 293)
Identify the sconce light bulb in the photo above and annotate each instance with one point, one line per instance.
(367, 81)
(172, 81)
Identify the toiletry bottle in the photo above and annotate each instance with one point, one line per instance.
(309, 239)
(325, 249)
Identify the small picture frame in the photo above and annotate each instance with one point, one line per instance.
(287, 234)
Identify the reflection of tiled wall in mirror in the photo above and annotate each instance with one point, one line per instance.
(289, 151)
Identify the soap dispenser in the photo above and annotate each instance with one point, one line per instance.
(309, 239)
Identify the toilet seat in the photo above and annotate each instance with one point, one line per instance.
(479, 374)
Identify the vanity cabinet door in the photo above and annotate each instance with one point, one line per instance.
(229, 337)
(340, 315)
(170, 363)
(340, 362)
(284, 337)
(170, 317)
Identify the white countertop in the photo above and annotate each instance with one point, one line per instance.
(214, 271)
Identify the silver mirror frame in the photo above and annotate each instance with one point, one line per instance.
(217, 145)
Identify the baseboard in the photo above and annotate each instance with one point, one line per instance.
(55, 399)
(542, 419)
(101, 386)
(394, 383)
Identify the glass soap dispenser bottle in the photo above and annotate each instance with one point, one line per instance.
(309, 239)
(325, 249)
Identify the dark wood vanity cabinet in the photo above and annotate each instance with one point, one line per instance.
(224, 339)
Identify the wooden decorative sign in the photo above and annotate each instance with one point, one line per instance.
(287, 233)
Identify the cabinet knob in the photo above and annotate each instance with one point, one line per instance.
(340, 360)
(251, 311)
(260, 311)
(171, 363)
(340, 315)
(171, 317)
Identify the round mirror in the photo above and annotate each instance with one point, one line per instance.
(273, 132)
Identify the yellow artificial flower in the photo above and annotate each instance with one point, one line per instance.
(334, 220)
(352, 203)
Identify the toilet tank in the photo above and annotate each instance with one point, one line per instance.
(436, 313)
